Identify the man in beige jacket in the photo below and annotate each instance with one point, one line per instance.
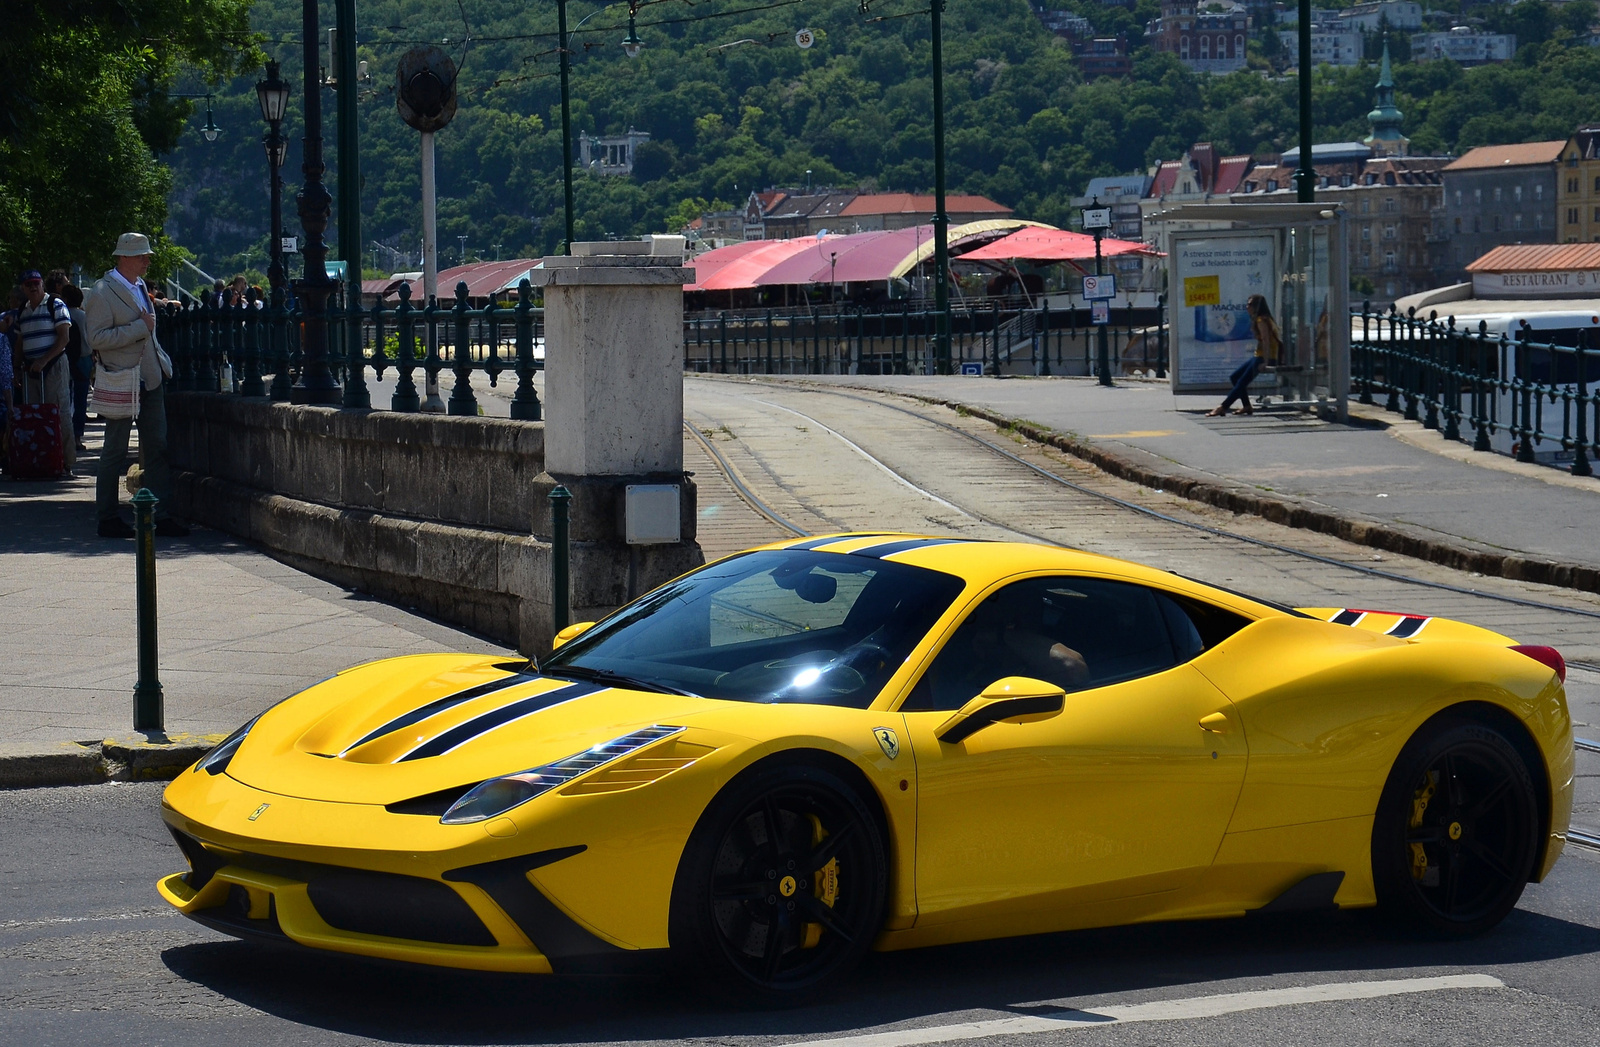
(121, 331)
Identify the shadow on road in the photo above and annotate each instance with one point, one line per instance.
(417, 1005)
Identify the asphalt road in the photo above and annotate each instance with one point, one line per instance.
(89, 954)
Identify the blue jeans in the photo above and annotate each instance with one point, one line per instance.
(1241, 378)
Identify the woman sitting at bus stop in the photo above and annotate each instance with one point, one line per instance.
(1268, 342)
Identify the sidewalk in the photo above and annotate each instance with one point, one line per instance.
(237, 630)
(1379, 480)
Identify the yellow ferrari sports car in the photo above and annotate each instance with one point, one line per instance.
(879, 741)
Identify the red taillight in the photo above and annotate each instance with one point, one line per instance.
(1548, 656)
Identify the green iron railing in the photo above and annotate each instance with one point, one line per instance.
(1001, 338)
(262, 347)
(1519, 396)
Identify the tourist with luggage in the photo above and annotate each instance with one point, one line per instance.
(42, 445)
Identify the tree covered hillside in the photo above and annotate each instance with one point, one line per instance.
(734, 105)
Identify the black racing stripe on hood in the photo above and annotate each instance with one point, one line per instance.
(439, 705)
(1407, 627)
(878, 552)
(1347, 617)
(463, 733)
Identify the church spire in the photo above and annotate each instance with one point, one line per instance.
(1385, 119)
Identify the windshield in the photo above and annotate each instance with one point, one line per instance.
(774, 626)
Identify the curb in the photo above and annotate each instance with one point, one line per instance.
(1289, 512)
(153, 757)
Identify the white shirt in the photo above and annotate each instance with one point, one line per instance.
(137, 287)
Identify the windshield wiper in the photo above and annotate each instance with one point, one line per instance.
(616, 679)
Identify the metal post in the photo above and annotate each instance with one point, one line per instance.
(1525, 430)
(941, 221)
(566, 122)
(405, 387)
(560, 605)
(1451, 394)
(462, 400)
(355, 381)
(1481, 392)
(1103, 359)
(147, 713)
(316, 384)
(525, 406)
(1580, 449)
(1306, 176)
(432, 404)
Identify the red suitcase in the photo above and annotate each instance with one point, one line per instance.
(36, 452)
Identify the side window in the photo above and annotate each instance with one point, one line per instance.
(1073, 632)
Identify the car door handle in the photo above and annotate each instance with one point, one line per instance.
(1216, 723)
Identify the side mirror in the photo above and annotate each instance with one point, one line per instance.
(571, 632)
(1014, 699)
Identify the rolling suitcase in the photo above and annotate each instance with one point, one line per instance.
(36, 452)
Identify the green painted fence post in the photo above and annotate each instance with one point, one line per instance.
(147, 713)
(560, 603)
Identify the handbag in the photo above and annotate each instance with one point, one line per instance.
(116, 393)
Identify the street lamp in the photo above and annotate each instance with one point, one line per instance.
(463, 238)
(273, 93)
(210, 129)
(631, 44)
(316, 383)
(941, 221)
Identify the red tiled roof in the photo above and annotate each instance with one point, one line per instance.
(1166, 178)
(1509, 155)
(915, 203)
(1230, 172)
(1534, 258)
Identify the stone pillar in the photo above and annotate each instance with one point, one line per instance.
(613, 384)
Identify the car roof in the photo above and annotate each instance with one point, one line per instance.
(983, 563)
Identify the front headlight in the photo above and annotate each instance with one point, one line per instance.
(216, 761)
(498, 795)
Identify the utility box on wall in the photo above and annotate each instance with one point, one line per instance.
(651, 514)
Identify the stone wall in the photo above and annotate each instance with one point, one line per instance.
(444, 514)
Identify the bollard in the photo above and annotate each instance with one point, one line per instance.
(560, 506)
(147, 714)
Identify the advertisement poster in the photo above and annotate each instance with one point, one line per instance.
(1213, 276)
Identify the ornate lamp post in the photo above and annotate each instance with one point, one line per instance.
(316, 384)
(941, 220)
(273, 93)
(210, 129)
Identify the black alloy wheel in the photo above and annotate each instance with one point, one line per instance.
(1456, 832)
(782, 885)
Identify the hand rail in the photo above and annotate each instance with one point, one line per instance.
(1517, 395)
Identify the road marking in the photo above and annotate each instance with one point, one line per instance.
(1134, 434)
(141, 914)
(1159, 1011)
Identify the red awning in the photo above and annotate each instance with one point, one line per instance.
(737, 266)
(1037, 244)
(483, 279)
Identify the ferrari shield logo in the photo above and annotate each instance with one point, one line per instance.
(887, 741)
(259, 811)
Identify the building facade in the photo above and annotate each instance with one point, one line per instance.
(1123, 194)
(1464, 46)
(1384, 14)
(1103, 56)
(610, 154)
(1493, 195)
(1578, 187)
(1205, 41)
(1329, 46)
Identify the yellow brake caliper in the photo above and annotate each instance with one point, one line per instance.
(826, 887)
(1419, 807)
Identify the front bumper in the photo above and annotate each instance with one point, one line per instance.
(444, 906)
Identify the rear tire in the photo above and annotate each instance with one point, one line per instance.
(781, 888)
(1456, 831)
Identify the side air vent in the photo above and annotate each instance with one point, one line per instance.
(652, 765)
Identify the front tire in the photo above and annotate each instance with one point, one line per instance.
(782, 885)
(1456, 832)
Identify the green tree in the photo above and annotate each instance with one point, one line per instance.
(85, 107)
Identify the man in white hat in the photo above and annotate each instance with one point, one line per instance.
(121, 330)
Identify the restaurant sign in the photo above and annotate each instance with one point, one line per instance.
(1565, 283)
